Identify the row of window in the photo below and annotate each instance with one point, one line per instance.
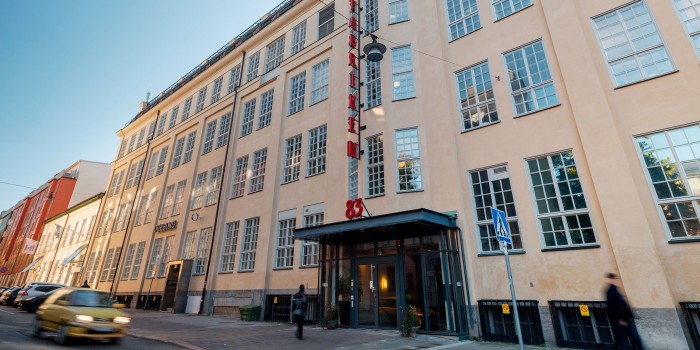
(319, 87)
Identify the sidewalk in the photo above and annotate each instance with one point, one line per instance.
(229, 332)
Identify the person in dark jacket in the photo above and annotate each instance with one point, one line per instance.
(620, 315)
(85, 285)
(299, 305)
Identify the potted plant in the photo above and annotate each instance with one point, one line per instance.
(410, 322)
(331, 316)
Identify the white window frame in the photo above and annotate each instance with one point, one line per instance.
(297, 90)
(239, 179)
(505, 8)
(292, 159)
(407, 149)
(319, 81)
(274, 54)
(167, 205)
(177, 154)
(691, 25)
(402, 73)
(233, 78)
(228, 251)
(373, 84)
(266, 100)
(477, 102)
(248, 117)
(542, 94)
(249, 244)
(189, 147)
(371, 15)
(313, 216)
(153, 258)
(189, 245)
(162, 160)
(186, 109)
(375, 183)
(284, 244)
(165, 257)
(150, 207)
(138, 258)
(224, 129)
(398, 11)
(179, 197)
(201, 98)
(462, 20)
(209, 133)
(212, 195)
(152, 165)
(253, 64)
(298, 37)
(126, 269)
(257, 178)
(216, 90)
(316, 151)
(200, 261)
(198, 191)
(326, 25)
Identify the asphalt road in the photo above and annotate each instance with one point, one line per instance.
(15, 335)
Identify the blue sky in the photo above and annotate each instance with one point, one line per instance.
(72, 73)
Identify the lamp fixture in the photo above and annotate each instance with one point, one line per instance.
(374, 51)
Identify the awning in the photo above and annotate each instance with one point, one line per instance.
(32, 264)
(412, 223)
(71, 257)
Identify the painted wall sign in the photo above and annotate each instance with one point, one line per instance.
(165, 227)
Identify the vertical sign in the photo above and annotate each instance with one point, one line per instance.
(353, 205)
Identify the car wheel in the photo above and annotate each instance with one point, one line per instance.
(62, 335)
(36, 327)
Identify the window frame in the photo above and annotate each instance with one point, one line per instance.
(240, 176)
(229, 246)
(249, 244)
(265, 111)
(399, 70)
(316, 151)
(257, 177)
(532, 87)
(284, 243)
(495, 12)
(291, 168)
(297, 91)
(298, 38)
(320, 76)
(379, 164)
(328, 26)
(402, 7)
(399, 160)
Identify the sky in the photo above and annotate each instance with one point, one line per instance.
(72, 73)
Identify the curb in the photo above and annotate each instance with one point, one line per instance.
(165, 341)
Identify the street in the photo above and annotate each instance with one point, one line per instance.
(15, 334)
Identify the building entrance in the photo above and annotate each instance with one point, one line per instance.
(376, 293)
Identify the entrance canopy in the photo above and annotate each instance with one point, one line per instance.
(405, 224)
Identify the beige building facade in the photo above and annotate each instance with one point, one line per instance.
(578, 119)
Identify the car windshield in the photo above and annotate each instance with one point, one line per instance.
(91, 299)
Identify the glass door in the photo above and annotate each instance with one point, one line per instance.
(376, 293)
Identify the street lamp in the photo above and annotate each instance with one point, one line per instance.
(374, 51)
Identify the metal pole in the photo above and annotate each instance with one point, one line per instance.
(504, 246)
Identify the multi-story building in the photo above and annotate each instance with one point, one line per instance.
(26, 224)
(578, 119)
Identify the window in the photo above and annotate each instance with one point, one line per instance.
(284, 254)
(375, 166)
(124, 210)
(152, 164)
(402, 72)
(491, 188)
(672, 160)
(115, 186)
(408, 160)
(689, 11)
(151, 129)
(167, 205)
(373, 84)
(189, 249)
(173, 120)
(353, 178)
(531, 84)
(141, 210)
(398, 11)
(128, 261)
(309, 249)
(228, 253)
(186, 109)
(200, 100)
(122, 148)
(112, 270)
(161, 128)
(298, 37)
(238, 188)
(189, 147)
(166, 255)
(371, 15)
(200, 260)
(216, 90)
(316, 158)
(463, 17)
(250, 243)
(233, 78)
(257, 179)
(142, 133)
(198, 193)
(248, 117)
(153, 261)
(162, 160)
(477, 102)
(325, 21)
(209, 137)
(137, 174)
(107, 264)
(266, 109)
(179, 193)
(177, 155)
(253, 63)
(631, 44)
(319, 82)
(105, 222)
(504, 8)
(93, 266)
(561, 206)
(224, 128)
(274, 55)
(150, 207)
(296, 94)
(292, 159)
(212, 195)
(132, 140)
(137, 260)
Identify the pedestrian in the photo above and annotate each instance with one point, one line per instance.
(85, 285)
(620, 315)
(299, 305)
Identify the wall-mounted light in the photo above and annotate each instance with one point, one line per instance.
(374, 51)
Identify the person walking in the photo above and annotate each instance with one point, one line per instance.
(299, 306)
(620, 315)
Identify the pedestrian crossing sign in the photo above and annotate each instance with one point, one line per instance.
(500, 225)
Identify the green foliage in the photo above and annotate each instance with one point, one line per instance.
(410, 321)
(331, 312)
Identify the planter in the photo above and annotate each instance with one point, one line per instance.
(331, 324)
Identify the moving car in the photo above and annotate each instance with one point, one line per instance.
(81, 313)
(34, 289)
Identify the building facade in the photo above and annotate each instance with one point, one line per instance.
(579, 119)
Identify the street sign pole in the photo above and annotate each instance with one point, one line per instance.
(504, 246)
(500, 226)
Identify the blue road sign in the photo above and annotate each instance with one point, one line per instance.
(500, 225)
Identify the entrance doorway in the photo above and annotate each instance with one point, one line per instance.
(377, 302)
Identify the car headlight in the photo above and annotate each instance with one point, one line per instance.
(84, 318)
(122, 320)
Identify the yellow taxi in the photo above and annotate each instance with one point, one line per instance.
(81, 313)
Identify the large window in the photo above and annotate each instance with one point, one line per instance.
(224, 129)
(250, 243)
(503, 8)
(477, 102)
(189, 147)
(373, 84)
(126, 269)
(296, 93)
(134, 173)
(209, 133)
(409, 172)
(167, 247)
(298, 37)
(257, 179)
(631, 44)
(190, 246)
(266, 100)
(216, 90)
(371, 15)
(124, 210)
(138, 257)
(228, 253)
(173, 117)
(274, 55)
(150, 207)
(116, 184)
(198, 192)
(398, 11)
(672, 160)
(253, 63)
(316, 157)
(233, 78)
(186, 109)
(177, 154)
(375, 165)
(463, 17)
(319, 82)
(562, 211)
(141, 210)
(402, 72)
(167, 206)
(325, 21)
(179, 194)
(201, 97)
(292, 159)
(212, 195)
(353, 177)
(248, 117)
(153, 260)
(531, 84)
(162, 160)
(309, 249)
(284, 253)
(200, 261)
(689, 11)
(238, 187)
(152, 165)
(491, 189)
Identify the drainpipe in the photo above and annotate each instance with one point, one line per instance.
(223, 176)
(464, 269)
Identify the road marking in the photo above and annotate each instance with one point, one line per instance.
(11, 313)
